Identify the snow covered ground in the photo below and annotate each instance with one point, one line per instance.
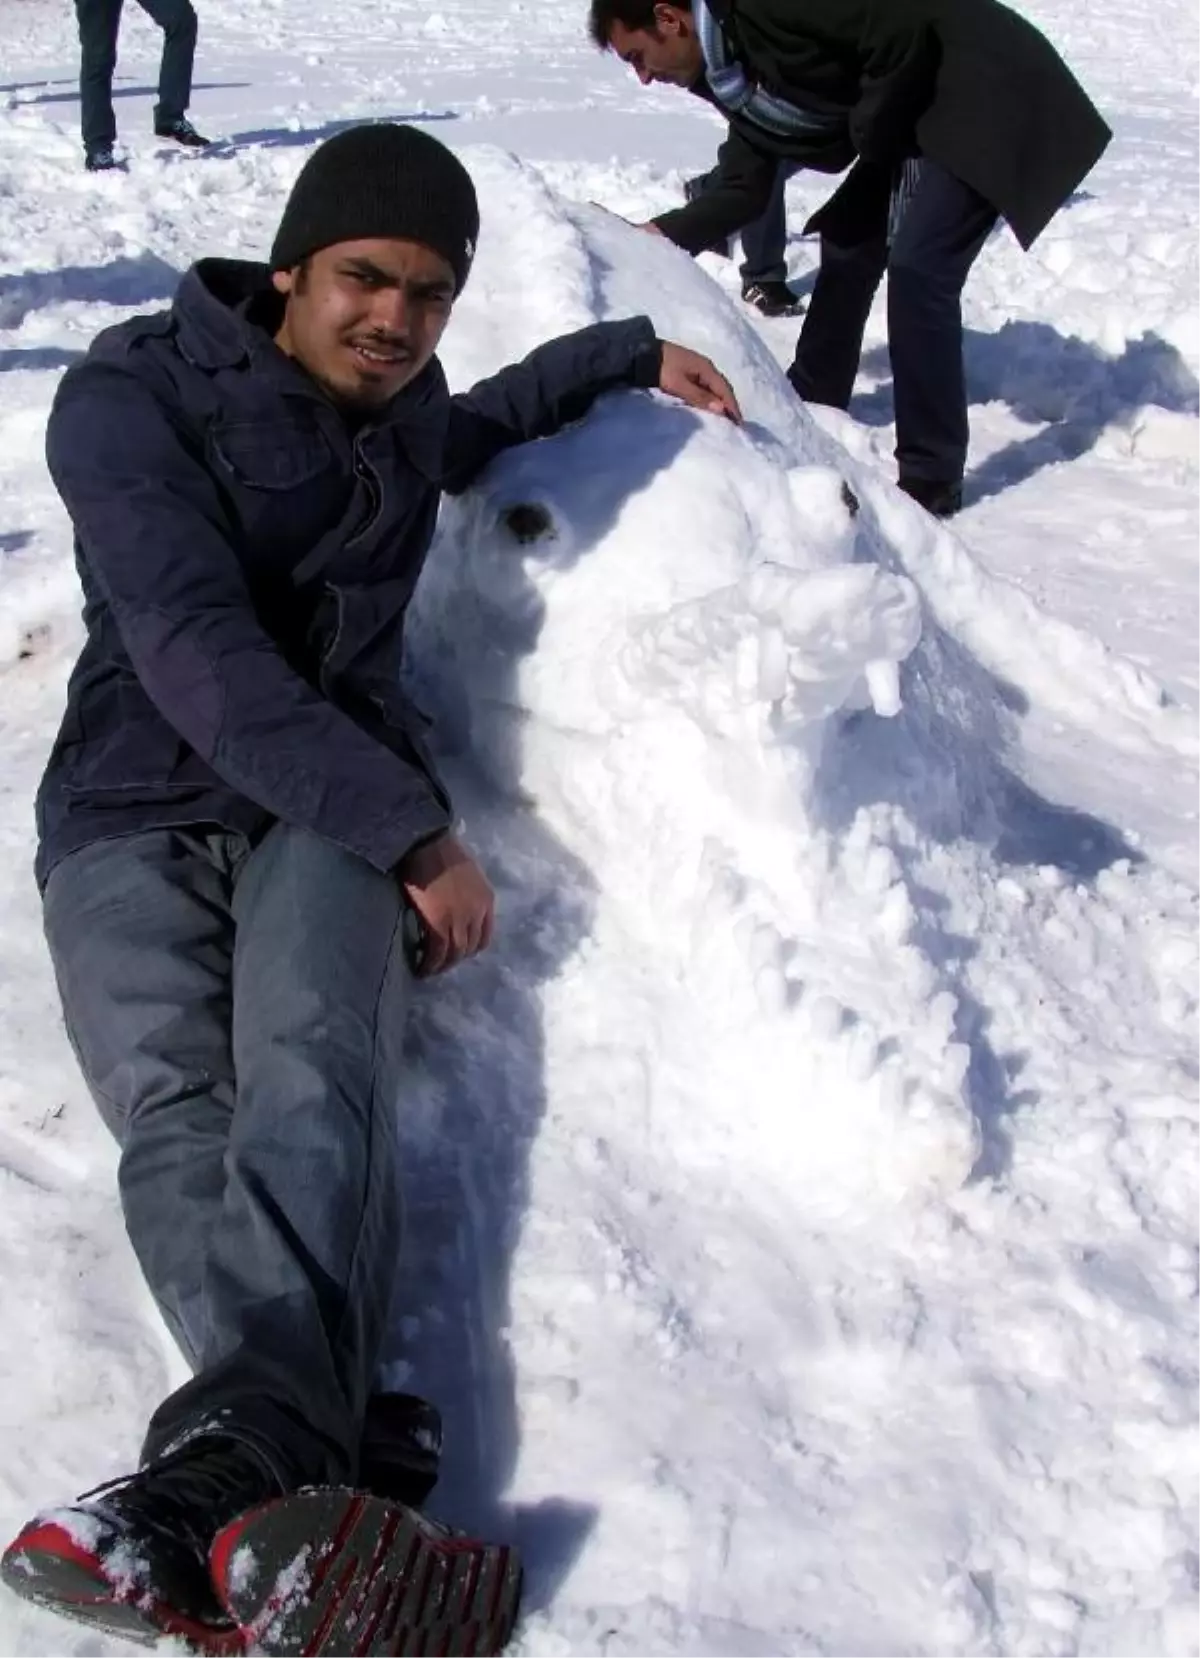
(803, 1193)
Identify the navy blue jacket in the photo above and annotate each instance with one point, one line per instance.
(247, 559)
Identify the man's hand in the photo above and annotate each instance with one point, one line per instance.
(452, 896)
(693, 380)
(649, 225)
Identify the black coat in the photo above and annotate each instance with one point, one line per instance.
(247, 559)
(968, 83)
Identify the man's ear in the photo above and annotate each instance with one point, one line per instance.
(667, 19)
(282, 281)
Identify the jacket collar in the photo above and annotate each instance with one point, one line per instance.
(209, 311)
(214, 330)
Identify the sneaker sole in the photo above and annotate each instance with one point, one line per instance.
(384, 1580)
(51, 1569)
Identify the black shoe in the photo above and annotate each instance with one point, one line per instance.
(183, 132)
(329, 1571)
(99, 158)
(939, 497)
(401, 1448)
(772, 299)
(132, 1557)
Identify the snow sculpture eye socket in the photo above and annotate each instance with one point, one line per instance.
(528, 521)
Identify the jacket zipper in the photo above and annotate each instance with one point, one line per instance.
(364, 471)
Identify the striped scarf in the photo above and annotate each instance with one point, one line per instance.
(740, 96)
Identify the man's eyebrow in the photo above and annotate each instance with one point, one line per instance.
(360, 265)
(367, 267)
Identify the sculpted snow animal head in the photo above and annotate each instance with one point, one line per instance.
(654, 630)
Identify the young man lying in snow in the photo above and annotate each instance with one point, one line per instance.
(954, 113)
(237, 821)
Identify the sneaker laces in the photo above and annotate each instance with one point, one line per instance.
(193, 1491)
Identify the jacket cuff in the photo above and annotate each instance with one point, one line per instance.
(647, 357)
(394, 841)
(685, 228)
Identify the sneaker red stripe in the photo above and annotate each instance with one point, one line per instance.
(502, 1564)
(400, 1593)
(336, 1601)
(52, 1541)
(387, 1532)
(472, 1584)
(371, 1626)
(329, 1554)
(46, 1546)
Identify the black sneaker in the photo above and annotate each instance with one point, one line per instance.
(772, 299)
(99, 158)
(183, 132)
(132, 1557)
(940, 497)
(401, 1447)
(329, 1571)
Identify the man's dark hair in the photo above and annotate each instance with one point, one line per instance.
(631, 14)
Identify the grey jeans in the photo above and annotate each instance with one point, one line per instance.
(238, 1015)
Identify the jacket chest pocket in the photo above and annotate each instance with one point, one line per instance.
(269, 455)
(281, 477)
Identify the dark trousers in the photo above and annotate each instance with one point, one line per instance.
(764, 243)
(238, 1014)
(939, 234)
(99, 21)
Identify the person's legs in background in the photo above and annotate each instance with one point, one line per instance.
(177, 20)
(99, 21)
(764, 256)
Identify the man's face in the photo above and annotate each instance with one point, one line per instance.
(364, 318)
(669, 53)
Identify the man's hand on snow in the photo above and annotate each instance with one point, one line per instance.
(454, 900)
(693, 380)
(633, 224)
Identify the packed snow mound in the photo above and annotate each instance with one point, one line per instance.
(688, 645)
(700, 652)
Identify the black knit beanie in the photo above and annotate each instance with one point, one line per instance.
(381, 180)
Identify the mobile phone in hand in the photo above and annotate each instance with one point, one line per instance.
(414, 940)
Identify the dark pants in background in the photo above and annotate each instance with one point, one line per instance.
(99, 21)
(935, 241)
(238, 1013)
(764, 243)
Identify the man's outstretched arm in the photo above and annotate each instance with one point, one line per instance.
(559, 382)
